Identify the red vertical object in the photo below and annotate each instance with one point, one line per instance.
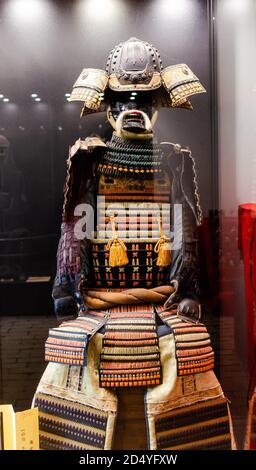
(247, 244)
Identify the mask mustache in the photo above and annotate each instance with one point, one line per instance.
(120, 122)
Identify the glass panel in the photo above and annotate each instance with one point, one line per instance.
(44, 46)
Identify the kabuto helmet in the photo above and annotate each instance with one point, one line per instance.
(136, 65)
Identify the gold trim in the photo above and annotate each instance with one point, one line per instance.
(154, 83)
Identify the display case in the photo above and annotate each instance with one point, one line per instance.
(45, 47)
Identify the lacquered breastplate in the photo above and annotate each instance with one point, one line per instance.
(138, 204)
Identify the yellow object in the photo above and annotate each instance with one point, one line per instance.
(117, 249)
(117, 253)
(19, 431)
(163, 249)
(27, 430)
(7, 427)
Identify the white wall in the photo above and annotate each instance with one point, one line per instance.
(236, 69)
(236, 48)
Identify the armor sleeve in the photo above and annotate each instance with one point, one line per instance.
(73, 255)
(185, 263)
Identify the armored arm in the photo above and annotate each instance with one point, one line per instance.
(184, 271)
(73, 255)
(68, 273)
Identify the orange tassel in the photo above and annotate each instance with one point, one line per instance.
(163, 249)
(117, 249)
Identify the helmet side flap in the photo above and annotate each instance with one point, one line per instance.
(89, 88)
(181, 83)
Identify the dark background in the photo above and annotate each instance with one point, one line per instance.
(43, 50)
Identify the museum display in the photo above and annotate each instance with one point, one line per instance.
(126, 291)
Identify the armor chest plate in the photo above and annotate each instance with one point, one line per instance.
(138, 205)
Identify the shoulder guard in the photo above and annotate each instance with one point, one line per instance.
(78, 180)
(88, 144)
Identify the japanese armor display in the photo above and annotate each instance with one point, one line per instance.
(126, 291)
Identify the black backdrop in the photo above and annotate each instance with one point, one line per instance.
(45, 53)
